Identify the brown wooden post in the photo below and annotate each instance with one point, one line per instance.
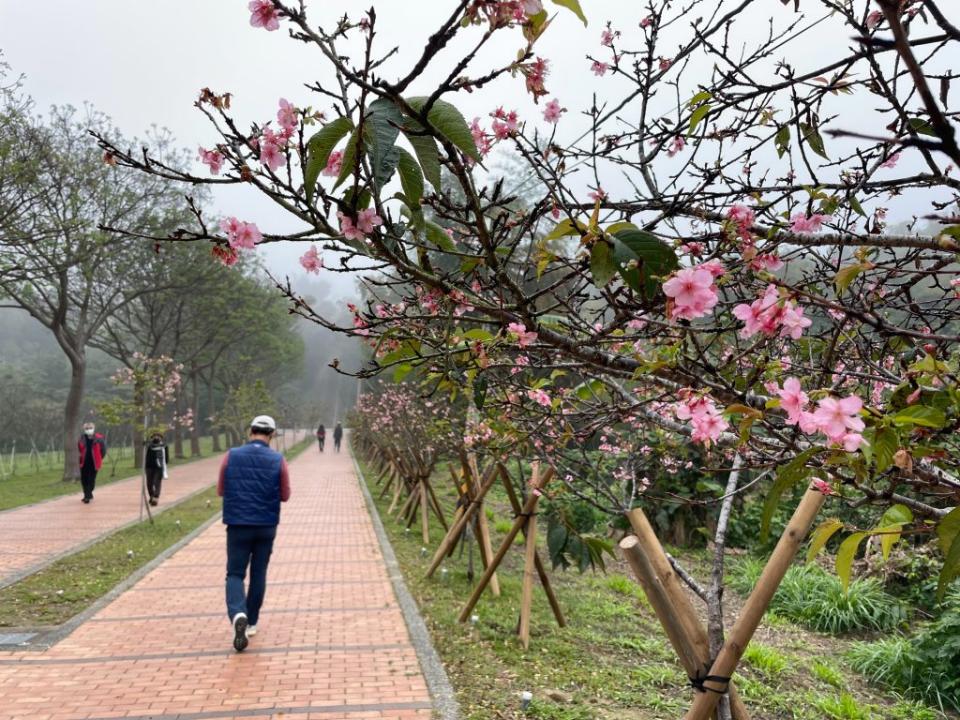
(424, 513)
(526, 594)
(457, 528)
(529, 507)
(756, 605)
(484, 542)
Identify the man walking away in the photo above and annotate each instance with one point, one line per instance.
(155, 459)
(253, 482)
(93, 449)
(321, 436)
(337, 436)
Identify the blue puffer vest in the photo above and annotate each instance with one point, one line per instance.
(251, 492)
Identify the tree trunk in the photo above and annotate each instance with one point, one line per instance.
(71, 414)
(177, 426)
(136, 434)
(195, 407)
(214, 429)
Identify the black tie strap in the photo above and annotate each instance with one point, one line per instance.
(697, 683)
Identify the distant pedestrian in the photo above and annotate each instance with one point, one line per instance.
(321, 436)
(93, 449)
(253, 481)
(337, 436)
(155, 459)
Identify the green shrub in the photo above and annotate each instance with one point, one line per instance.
(923, 666)
(765, 659)
(815, 598)
(845, 707)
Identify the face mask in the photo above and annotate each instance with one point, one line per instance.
(88, 432)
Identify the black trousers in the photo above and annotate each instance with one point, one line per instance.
(320, 440)
(88, 480)
(154, 480)
(336, 444)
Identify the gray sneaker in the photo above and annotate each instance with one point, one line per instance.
(240, 632)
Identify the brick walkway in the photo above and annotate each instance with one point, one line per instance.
(332, 641)
(35, 535)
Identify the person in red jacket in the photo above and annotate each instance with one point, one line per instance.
(93, 449)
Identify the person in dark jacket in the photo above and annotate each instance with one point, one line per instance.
(253, 482)
(321, 436)
(337, 436)
(155, 459)
(93, 449)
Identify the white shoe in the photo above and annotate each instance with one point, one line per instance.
(240, 632)
(251, 630)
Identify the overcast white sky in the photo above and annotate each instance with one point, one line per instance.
(143, 62)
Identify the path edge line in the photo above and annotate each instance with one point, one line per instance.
(438, 683)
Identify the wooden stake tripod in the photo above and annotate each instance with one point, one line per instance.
(526, 522)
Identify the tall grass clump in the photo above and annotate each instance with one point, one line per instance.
(815, 598)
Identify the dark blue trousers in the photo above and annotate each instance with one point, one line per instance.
(248, 546)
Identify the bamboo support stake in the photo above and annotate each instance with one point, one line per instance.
(435, 504)
(483, 529)
(756, 605)
(526, 596)
(541, 570)
(458, 526)
(424, 512)
(518, 524)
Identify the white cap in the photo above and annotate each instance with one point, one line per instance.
(264, 422)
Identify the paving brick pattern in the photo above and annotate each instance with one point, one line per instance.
(332, 642)
(35, 535)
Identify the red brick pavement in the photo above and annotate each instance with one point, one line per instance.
(35, 535)
(332, 642)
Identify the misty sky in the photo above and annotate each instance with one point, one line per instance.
(143, 62)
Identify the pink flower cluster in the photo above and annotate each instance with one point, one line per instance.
(692, 291)
(838, 419)
(505, 123)
(213, 159)
(769, 313)
(801, 223)
(334, 164)
(535, 73)
(705, 418)
(311, 260)
(743, 218)
(541, 397)
(241, 235)
(523, 336)
(552, 111)
(264, 14)
(366, 221)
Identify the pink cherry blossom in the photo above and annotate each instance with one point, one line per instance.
(367, 220)
(606, 37)
(264, 14)
(665, 64)
(676, 146)
(271, 156)
(800, 223)
(246, 237)
(287, 115)
(836, 418)
(768, 261)
(524, 337)
(213, 159)
(708, 428)
(647, 21)
(792, 399)
(692, 291)
(541, 397)
(334, 164)
(821, 486)
(225, 255)
(552, 111)
(873, 19)
(311, 260)
(598, 195)
(891, 162)
(792, 321)
(599, 68)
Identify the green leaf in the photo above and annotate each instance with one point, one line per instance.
(411, 178)
(948, 529)
(857, 207)
(699, 98)
(845, 276)
(319, 148)
(922, 126)
(890, 525)
(480, 392)
(788, 475)
(381, 129)
(697, 117)
(813, 138)
(618, 226)
(348, 165)
(574, 7)
(782, 140)
(845, 555)
(401, 372)
(448, 121)
(653, 258)
(565, 227)
(602, 265)
(425, 148)
(951, 568)
(920, 415)
(821, 535)
(478, 334)
(438, 236)
(588, 390)
(885, 445)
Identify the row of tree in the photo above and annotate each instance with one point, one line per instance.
(90, 287)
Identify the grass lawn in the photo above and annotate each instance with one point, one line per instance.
(613, 660)
(30, 485)
(70, 585)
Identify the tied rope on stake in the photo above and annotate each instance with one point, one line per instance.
(697, 681)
